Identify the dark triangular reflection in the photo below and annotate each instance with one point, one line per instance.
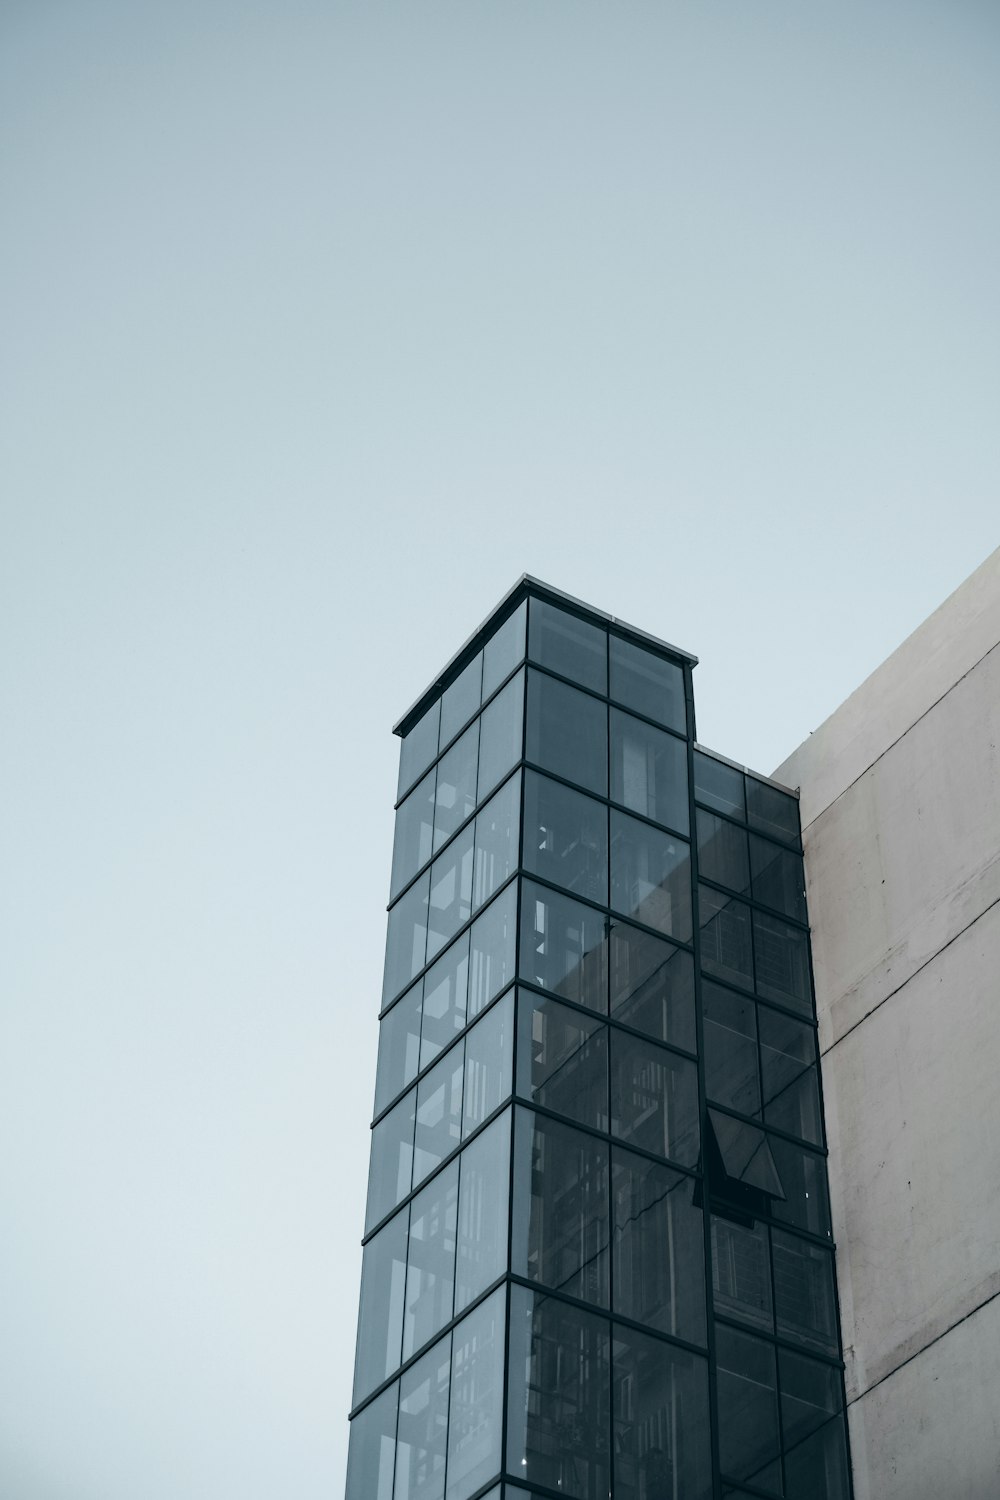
(746, 1155)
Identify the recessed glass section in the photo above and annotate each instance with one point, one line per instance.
(741, 1272)
(563, 946)
(565, 837)
(418, 748)
(484, 1186)
(456, 786)
(718, 785)
(414, 830)
(406, 939)
(652, 986)
(725, 937)
(492, 950)
(423, 1426)
(746, 1387)
(391, 1167)
(654, 1099)
(730, 1033)
(439, 1113)
(450, 891)
(813, 1424)
(568, 645)
(722, 852)
(772, 811)
(567, 733)
(380, 1317)
(398, 1048)
(489, 1064)
(659, 1247)
(804, 1295)
(663, 1444)
(501, 736)
(562, 1060)
(476, 1412)
(504, 650)
(648, 683)
(461, 700)
(781, 962)
(430, 1275)
(778, 877)
(445, 987)
(649, 771)
(371, 1456)
(561, 1227)
(650, 876)
(789, 1073)
(497, 827)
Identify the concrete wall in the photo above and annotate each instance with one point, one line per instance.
(901, 826)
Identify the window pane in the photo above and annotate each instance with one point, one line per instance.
(722, 852)
(772, 811)
(741, 1272)
(730, 1032)
(500, 741)
(663, 1444)
(445, 986)
(652, 986)
(748, 1408)
(406, 939)
(791, 1089)
(430, 1272)
(804, 1296)
(649, 771)
(492, 950)
(659, 1240)
(718, 785)
(391, 1160)
(372, 1451)
(654, 1099)
(476, 1398)
(418, 748)
(380, 1318)
(456, 786)
(803, 1176)
(565, 837)
(497, 827)
(483, 1191)
(489, 1062)
(451, 891)
(647, 683)
(414, 826)
(462, 699)
(563, 946)
(813, 1422)
(562, 1060)
(398, 1048)
(650, 876)
(561, 1209)
(567, 732)
(423, 1426)
(745, 1158)
(778, 877)
(725, 937)
(781, 957)
(504, 650)
(559, 1396)
(439, 1113)
(572, 647)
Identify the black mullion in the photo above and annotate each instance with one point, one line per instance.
(539, 1288)
(583, 1010)
(779, 1341)
(748, 900)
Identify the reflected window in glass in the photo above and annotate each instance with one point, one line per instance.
(804, 1295)
(781, 963)
(648, 683)
(803, 1177)
(450, 891)
(563, 946)
(650, 876)
(719, 786)
(414, 828)
(497, 828)
(462, 699)
(561, 1226)
(380, 1317)
(430, 1274)
(504, 650)
(567, 733)
(813, 1423)
(371, 1455)
(502, 734)
(492, 955)
(489, 1062)
(772, 811)
(741, 1271)
(423, 1426)
(445, 986)
(778, 877)
(391, 1166)
(439, 1113)
(654, 1099)
(565, 837)
(663, 1441)
(649, 771)
(475, 1417)
(406, 939)
(725, 937)
(722, 852)
(484, 1185)
(788, 1067)
(652, 986)
(748, 1408)
(456, 786)
(730, 1032)
(572, 647)
(562, 1060)
(659, 1245)
(398, 1047)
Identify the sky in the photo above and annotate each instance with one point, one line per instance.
(321, 325)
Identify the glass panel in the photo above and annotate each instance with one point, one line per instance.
(803, 1176)
(418, 748)
(476, 1398)
(718, 785)
(663, 1444)
(450, 891)
(779, 878)
(772, 811)
(813, 1423)
(781, 956)
(492, 950)
(504, 650)
(445, 986)
(748, 1408)
(462, 699)
(489, 1062)
(430, 1271)
(651, 876)
(722, 852)
(567, 732)
(730, 1034)
(569, 646)
(659, 1240)
(563, 946)
(398, 1048)
(455, 799)
(745, 1153)
(391, 1160)
(380, 1317)
(647, 683)
(439, 1113)
(565, 837)
(372, 1450)
(804, 1295)
(562, 1060)
(406, 939)
(497, 827)
(652, 986)
(484, 1188)
(725, 937)
(654, 1099)
(791, 1089)
(561, 1214)
(423, 1426)
(741, 1272)
(500, 741)
(649, 771)
(559, 1396)
(414, 827)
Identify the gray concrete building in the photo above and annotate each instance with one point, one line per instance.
(900, 810)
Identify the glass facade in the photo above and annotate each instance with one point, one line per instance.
(597, 1254)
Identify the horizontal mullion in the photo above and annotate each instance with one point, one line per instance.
(443, 749)
(755, 904)
(782, 1341)
(789, 846)
(606, 911)
(453, 836)
(529, 987)
(751, 994)
(607, 1138)
(596, 1310)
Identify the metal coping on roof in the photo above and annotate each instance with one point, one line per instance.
(524, 586)
(779, 786)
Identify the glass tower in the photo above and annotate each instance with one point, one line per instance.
(597, 1256)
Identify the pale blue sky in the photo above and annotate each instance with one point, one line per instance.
(320, 325)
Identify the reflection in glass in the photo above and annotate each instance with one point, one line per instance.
(504, 650)
(372, 1451)
(725, 937)
(562, 1060)
(462, 699)
(406, 939)
(772, 811)
(803, 1176)
(484, 1186)
(778, 877)
(497, 827)
(647, 683)
(439, 1113)
(445, 986)
(563, 946)
(380, 1316)
(450, 891)
(474, 1424)
(649, 771)
(567, 732)
(492, 964)
(391, 1164)
(813, 1424)
(663, 1444)
(804, 1297)
(718, 785)
(722, 852)
(788, 1067)
(489, 1060)
(659, 1244)
(567, 645)
(418, 748)
(781, 958)
(398, 1047)
(654, 1099)
(565, 837)
(430, 1273)
(561, 1209)
(730, 1033)
(414, 826)
(748, 1408)
(650, 876)
(652, 986)
(500, 741)
(741, 1272)
(455, 799)
(423, 1426)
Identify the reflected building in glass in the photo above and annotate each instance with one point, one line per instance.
(597, 1256)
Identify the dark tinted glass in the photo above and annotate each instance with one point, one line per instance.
(725, 937)
(563, 946)
(567, 645)
(483, 1190)
(450, 891)
(650, 876)
(423, 1425)
(497, 828)
(730, 1034)
(501, 736)
(778, 877)
(803, 1176)
(663, 1441)
(461, 700)
(414, 828)
(439, 1113)
(456, 785)
(772, 811)
(445, 987)
(561, 1226)
(504, 650)
(745, 1154)
(659, 1247)
(398, 1048)
(430, 1276)
(391, 1165)
(813, 1423)
(649, 771)
(722, 852)
(380, 1317)
(748, 1409)
(654, 1099)
(567, 732)
(406, 939)
(372, 1451)
(652, 986)
(476, 1411)
(791, 1087)
(781, 960)
(418, 748)
(489, 1064)
(492, 960)
(647, 683)
(718, 785)
(741, 1272)
(565, 837)
(805, 1302)
(562, 1060)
